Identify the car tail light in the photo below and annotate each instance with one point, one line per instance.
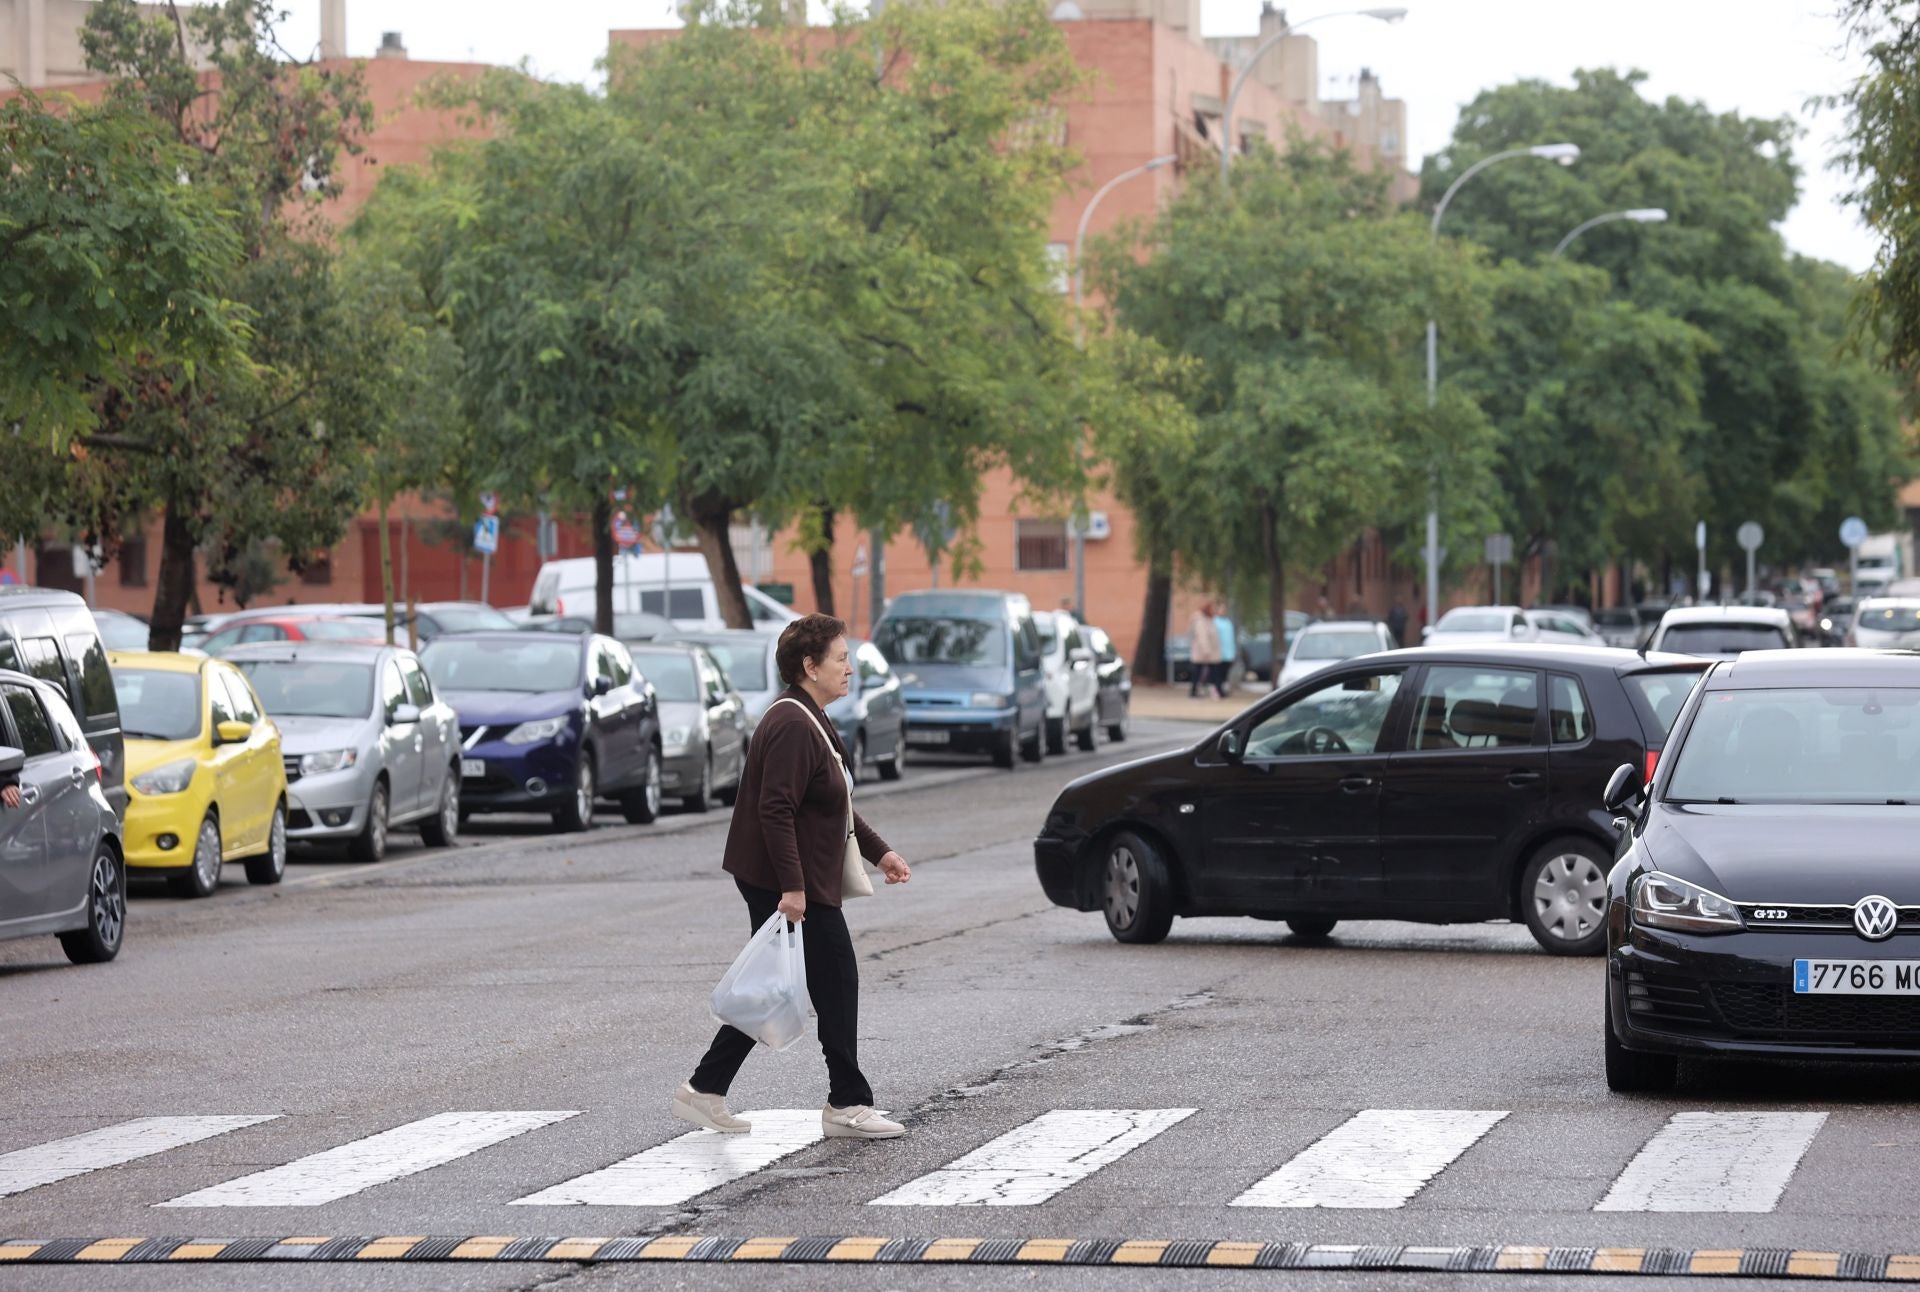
(1653, 762)
(92, 763)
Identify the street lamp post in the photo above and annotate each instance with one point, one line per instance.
(1639, 215)
(1566, 155)
(1079, 283)
(1394, 14)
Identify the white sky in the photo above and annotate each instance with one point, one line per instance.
(1757, 57)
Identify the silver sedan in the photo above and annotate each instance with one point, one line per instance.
(703, 723)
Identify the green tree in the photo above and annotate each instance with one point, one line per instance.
(1882, 154)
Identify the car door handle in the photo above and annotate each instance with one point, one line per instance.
(29, 794)
(1520, 780)
(1355, 784)
(78, 774)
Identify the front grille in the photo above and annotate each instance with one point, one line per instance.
(1814, 917)
(1769, 1009)
(468, 736)
(1656, 1000)
(293, 767)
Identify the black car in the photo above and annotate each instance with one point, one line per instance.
(1767, 901)
(1438, 785)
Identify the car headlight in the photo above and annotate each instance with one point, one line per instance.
(541, 729)
(678, 737)
(168, 778)
(332, 760)
(1663, 902)
(988, 700)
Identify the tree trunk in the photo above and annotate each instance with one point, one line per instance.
(386, 562)
(1276, 585)
(821, 563)
(1150, 653)
(603, 565)
(174, 586)
(710, 517)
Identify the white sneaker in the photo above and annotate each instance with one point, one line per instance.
(858, 1122)
(707, 1111)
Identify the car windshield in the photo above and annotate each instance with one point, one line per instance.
(671, 673)
(916, 639)
(1721, 638)
(469, 619)
(122, 632)
(745, 663)
(311, 688)
(1802, 745)
(1341, 645)
(1473, 621)
(157, 704)
(530, 664)
(342, 630)
(1890, 619)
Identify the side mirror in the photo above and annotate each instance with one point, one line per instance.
(601, 686)
(1518, 630)
(11, 760)
(404, 715)
(1229, 745)
(1426, 632)
(1624, 788)
(233, 733)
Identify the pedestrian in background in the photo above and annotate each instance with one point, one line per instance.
(1397, 622)
(1203, 648)
(1223, 625)
(786, 851)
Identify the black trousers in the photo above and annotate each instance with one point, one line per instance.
(833, 981)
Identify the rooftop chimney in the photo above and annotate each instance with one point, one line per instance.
(390, 46)
(333, 28)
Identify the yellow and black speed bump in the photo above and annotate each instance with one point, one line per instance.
(1735, 1262)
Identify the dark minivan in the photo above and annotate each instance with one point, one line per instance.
(1438, 785)
(50, 634)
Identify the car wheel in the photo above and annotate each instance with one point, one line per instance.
(577, 815)
(1635, 1071)
(442, 829)
(1033, 748)
(642, 806)
(1117, 731)
(1136, 889)
(701, 800)
(99, 942)
(1003, 750)
(892, 769)
(1311, 928)
(203, 877)
(1563, 895)
(272, 867)
(1084, 736)
(371, 843)
(1057, 735)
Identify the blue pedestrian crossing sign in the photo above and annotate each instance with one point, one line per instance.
(486, 535)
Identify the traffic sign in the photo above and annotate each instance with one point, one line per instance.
(1750, 536)
(1853, 531)
(663, 528)
(8, 579)
(489, 502)
(486, 535)
(1700, 535)
(860, 561)
(625, 532)
(1499, 549)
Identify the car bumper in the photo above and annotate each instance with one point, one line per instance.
(1732, 994)
(149, 820)
(1056, 862)
(961, 731)
(519, 778)
(331, 805)
(681, 771)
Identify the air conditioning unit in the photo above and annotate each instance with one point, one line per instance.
(1098, 526)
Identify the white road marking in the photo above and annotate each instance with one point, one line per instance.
(686, 1167)
(61, 1159)
(1031, 1163)
(1715, 1162)
(1378, 1158)
(341, 1172)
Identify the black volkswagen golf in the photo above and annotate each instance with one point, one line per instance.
(1435, 785)
(1768, 901)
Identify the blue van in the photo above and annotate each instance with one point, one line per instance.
(971, 664)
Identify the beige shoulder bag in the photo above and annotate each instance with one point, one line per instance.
(853, 871)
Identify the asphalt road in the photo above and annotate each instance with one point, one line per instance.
(465, 1035)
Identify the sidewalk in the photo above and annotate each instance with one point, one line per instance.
(1172, 704)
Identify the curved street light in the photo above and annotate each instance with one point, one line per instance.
(1639, 215)
(1390, 14)
(1566, 155)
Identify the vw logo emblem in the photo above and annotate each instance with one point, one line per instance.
(1876, 918)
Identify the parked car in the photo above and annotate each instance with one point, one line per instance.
(703, 721)
(1766, 903)
(62, 864)
(51, 635)
(1073, 692)
(431, 619)
(367, 743)
(1556, 627)
(747, 660)
(1322, 645)
(629, 628)
(1115, 704)
(675, 585)
(1887, 623)
(1577, 613)
(1722, 632)
(1619, 626)
(120, 630)
(206, 784)
(970, 662)
(1836, 621)
(1478, 625)
(1437, 785)
(872, 716)
(550, 723)
(292, 628)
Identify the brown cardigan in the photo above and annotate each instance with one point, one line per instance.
(790, 817)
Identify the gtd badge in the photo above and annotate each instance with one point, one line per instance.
(1875, 918)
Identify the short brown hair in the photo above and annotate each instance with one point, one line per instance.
(802, 640)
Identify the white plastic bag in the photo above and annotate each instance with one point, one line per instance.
(764, 992)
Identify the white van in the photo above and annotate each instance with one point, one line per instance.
(673, 584)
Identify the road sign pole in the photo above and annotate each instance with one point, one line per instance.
(486, 577)
(1750, 580)
(1496, 583)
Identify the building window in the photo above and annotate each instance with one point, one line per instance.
(133, 561)
(1040, 545)
(1390, 142)
(319, 569)
(53, 567)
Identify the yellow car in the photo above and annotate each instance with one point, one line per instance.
(205, 780)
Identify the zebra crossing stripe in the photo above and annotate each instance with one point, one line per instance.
(1031, 1163)
(344, 1171)
(1715, 1162)
(62, 1159)
(1379, 1158)
(687, 1167)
